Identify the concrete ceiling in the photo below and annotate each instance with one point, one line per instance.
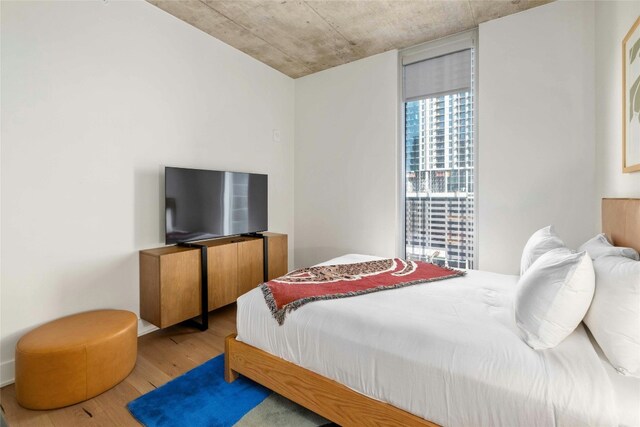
(304, 37)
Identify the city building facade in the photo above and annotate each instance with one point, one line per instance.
(439, 167)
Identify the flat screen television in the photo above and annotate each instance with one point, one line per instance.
(205, 204)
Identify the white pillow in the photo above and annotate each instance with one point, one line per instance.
(600, 246)
(614, 315)
(540, 242)
(553, 296)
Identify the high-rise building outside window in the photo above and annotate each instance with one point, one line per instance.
(440, 159)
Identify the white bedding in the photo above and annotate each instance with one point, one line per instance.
(626, 391)
(447, 351)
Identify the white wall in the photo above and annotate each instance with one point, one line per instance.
(613, 20)
(345, 160)
(536, 142)
(536, 130)
(95, 100)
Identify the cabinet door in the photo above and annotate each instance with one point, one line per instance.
(250, 265)
(278, 255)
(223, 274)
(180, 287)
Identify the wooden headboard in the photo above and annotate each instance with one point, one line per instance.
(621, 222)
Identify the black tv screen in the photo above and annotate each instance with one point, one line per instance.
(205, 204)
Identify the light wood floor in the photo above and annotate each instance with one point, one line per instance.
(162, 356)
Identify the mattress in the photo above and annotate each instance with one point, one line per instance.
(446, 351)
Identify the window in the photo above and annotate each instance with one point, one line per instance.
(439, 169)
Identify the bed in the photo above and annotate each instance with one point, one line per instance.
(437, 354)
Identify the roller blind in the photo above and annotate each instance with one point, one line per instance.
(441, 75)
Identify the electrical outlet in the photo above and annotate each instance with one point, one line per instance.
(276, 135)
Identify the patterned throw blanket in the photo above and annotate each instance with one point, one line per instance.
(293, 290)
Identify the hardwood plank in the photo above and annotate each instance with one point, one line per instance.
(83, 414)
(115, 402)
(145, 377)
(212, 343)
(168, 357)
(18, 416)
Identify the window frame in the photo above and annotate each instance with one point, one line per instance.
(421, 52)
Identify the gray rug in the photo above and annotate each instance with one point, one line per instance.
(278, 411)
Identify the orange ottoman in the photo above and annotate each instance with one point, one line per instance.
(75, 358)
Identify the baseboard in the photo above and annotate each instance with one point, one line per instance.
(8, 368)
(7, 372)
(145, 327)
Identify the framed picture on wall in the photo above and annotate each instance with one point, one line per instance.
(631, 99)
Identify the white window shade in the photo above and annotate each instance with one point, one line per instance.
(441, 75)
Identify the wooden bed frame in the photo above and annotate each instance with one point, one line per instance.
(346, 407)
(319, 394)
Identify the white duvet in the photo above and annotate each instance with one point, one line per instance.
(446, 351)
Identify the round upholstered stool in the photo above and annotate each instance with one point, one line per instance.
(75, 358)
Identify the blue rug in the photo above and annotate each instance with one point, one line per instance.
(201, 397)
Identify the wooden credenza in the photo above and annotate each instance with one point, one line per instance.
(170, 276)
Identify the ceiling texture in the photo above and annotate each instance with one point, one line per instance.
(304, 37)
